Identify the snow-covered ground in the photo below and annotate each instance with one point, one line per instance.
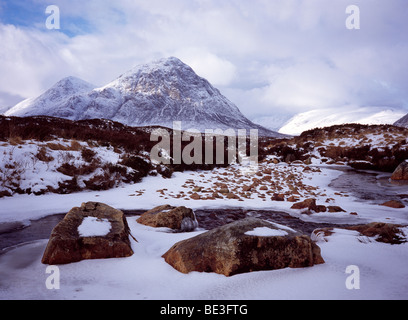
(155, 191)
(145, 275)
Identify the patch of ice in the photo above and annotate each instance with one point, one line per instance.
(266, 232)
(94, 227)
(280, 226)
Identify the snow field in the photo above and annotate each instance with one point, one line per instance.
(146, 275)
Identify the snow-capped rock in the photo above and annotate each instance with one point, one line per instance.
(62, 100)
(336, 116)
(158, 93)
(403, 122)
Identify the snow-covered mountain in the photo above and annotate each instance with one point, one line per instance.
(158, 93)
(62, 100)
(403, 122)
(349, 114)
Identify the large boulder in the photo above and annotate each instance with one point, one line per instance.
(401, 173)
(92, 231)
(243, 246)
(176, 218)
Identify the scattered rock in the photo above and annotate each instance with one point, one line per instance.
(176, 218)
(195, 196)
(321, 208)
(231, 195)
(246, 188)
(66, 245)
(401, 173)
(278, 197)
(383, 232)
(243, 246)
(333, 209)
(394, 204)
(292, 199)
(379, 231)
(306, 204)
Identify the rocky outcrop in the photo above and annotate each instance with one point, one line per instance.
(176, 218)
(73, 240)
(243, 246)
(401, 173)
(382, 232)
(394, 204)
(377, 231)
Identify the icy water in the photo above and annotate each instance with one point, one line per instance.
(371, 186)
(367, 186)
(16, 234)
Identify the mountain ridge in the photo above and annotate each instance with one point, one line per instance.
(336, 116)
(403, 122)
(157, 93)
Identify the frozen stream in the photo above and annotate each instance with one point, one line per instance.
(371, 186)
(365, 186)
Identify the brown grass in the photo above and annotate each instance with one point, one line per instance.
(43, 156)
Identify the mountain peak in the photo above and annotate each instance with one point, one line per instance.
(74, 84)
(164, 65)
(157, 93)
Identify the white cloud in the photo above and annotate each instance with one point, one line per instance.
(218, 71)
(267, 56)
(29, 60)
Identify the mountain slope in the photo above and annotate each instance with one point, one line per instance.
(403, 122)
(153, 94)
(60, 101)
(336, 116)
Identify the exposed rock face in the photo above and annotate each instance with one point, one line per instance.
(246, 245)
(177, 218)
(401, 173)
(66, 245)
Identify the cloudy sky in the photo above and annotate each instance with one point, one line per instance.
(270, 57)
